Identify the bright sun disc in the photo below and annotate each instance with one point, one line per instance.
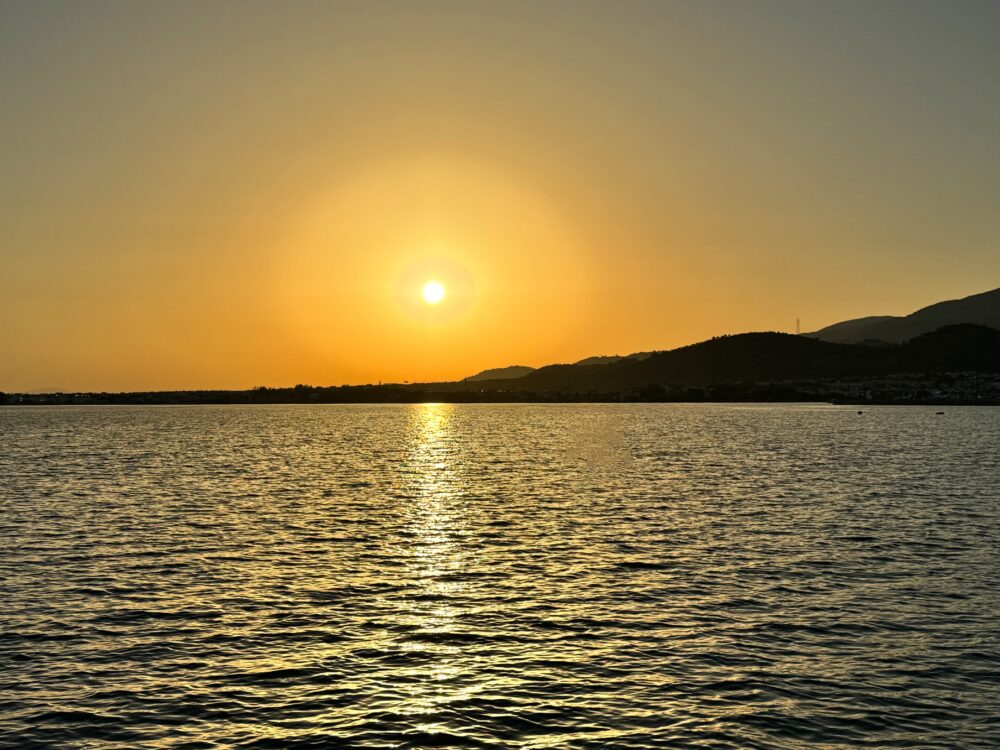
(433, 292)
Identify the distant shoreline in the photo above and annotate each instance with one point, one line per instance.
(952, 365)
(253, 398)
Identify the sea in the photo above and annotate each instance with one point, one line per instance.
(500, 576)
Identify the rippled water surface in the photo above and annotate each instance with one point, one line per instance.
(499, 576)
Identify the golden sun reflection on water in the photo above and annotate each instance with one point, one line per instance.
(436, 560)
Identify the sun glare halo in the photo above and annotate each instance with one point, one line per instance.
(433, 292)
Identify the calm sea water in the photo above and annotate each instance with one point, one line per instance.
(499, 576)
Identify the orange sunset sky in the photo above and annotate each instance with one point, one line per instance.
(231, 194)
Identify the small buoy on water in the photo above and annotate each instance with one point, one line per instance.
(860, 412)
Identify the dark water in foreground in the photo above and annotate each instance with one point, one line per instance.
(513, 576)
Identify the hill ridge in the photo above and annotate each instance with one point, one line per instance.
(982, 308)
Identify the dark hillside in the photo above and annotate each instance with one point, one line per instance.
(773, 357)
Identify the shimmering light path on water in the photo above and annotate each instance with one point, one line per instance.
(512, 576)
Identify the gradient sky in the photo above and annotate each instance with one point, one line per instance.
(230, 194)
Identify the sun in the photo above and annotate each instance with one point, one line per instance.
(433, 292)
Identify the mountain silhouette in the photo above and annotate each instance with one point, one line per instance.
(872, 331)
(611, 359)
(600, 360)
(981, 309)
(518, 371)
(499, 373)
(773, 357)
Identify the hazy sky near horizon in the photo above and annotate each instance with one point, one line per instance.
(230, 194)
